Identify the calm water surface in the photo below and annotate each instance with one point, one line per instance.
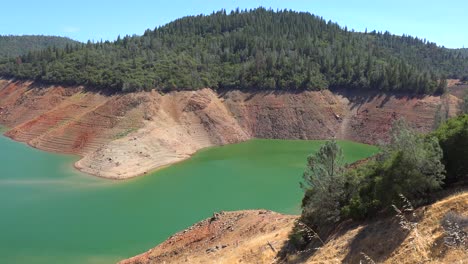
(50, 213)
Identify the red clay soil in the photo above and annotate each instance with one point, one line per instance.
(253, 236)
(64, 120)
(125, 135)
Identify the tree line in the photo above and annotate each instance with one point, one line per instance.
(13, 46)
(244, 49)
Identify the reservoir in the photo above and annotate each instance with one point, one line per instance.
(51, 213)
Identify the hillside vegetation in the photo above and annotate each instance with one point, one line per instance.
(408, 171)
(13, 46)
(258, 236)
(259, 48)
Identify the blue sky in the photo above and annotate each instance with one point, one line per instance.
(442, 22)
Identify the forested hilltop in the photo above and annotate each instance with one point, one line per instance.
(258, 48)
(12, 46)
(463, 52)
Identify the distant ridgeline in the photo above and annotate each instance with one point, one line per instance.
(259, 48)
(13, 46)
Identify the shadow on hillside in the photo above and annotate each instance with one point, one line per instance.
(43, 85)
(377, 240)
(358, 98)
(222, 92)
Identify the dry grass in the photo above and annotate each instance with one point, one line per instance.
(413, 236)
(420, 243)
(455, 228)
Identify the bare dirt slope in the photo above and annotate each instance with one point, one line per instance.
(174, 127)
(257, 236)
(228, 237)
(125, 135)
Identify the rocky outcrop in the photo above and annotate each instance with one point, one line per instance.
(125, 135)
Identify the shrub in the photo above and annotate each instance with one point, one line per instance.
(410, 165)
(453, 138)
(464, 104)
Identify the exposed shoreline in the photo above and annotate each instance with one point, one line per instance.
(147, 172)
(97, 173)
(122, 136)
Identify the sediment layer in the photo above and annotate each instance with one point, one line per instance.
(124, 135)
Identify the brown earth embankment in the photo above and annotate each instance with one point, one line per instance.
(258, 236)
(124, 135)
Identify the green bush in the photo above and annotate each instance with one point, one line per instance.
(410, 165)
(464, 104)
(453, 139)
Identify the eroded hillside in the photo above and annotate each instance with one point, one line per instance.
(258, 237)
(125, 135)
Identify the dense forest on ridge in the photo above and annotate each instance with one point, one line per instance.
(13, 46)
(260, 48)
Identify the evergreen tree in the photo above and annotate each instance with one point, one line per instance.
(259, 48)
(464, 104)
(323, 186)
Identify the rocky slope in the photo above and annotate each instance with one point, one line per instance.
(125, 135)
(259, 236)
(228, 237)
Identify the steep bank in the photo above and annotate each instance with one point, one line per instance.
(258, 236)
(124, 135)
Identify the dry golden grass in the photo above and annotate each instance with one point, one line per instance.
(414, 236)
(411, 237)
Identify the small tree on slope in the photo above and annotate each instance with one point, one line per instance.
(324, 185)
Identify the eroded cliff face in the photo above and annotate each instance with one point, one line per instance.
(124, 135)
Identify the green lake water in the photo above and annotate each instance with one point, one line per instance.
(50, 213)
